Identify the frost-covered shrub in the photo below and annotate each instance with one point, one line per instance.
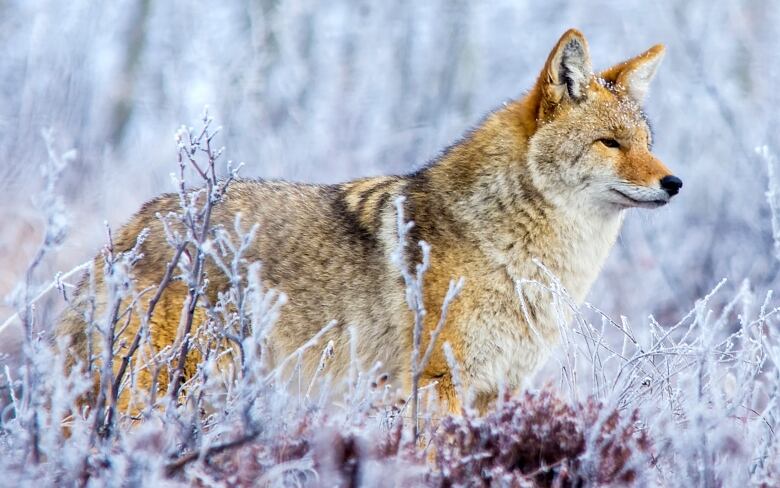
(321, 453)
(541, 439)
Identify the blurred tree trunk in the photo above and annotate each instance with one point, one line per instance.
(124, 91)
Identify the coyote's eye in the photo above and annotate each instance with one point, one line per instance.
(610, 143)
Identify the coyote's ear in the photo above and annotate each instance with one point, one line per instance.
(566, 73)
(634, 76)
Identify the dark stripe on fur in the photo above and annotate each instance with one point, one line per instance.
(365, 195)
(351, 223)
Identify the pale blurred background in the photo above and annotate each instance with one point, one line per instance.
(327, 91)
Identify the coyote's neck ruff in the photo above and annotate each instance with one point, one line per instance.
(533, 195)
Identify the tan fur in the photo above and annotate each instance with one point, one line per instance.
(532, 181)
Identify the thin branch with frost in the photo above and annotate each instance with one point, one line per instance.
(452, 363)
(772, 194)
(313, 341)
(50, 203)
(198, 224)
(415, 299)
(115, 269)
(327, 353)
(453, 290)
(175, 466)
(55, 284)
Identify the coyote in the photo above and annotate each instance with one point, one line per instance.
(545, 179)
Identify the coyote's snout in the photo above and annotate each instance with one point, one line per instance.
(545, 179)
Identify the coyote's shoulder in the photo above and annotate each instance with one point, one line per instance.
(532, 196)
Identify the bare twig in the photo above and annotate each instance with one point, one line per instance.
(173, 467)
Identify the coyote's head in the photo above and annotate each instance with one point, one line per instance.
(592, 141)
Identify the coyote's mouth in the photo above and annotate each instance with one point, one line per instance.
(636, 202)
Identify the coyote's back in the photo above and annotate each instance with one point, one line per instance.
(323, 246)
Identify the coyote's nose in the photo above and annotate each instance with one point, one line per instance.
(671, 184)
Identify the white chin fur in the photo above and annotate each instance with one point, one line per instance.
(638, 196)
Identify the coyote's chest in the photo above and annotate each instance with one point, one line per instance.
(508, 335)
(581, 252)
(524, 305)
